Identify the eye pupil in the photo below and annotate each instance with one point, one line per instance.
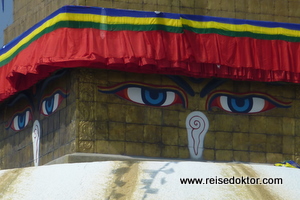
(153, 97)
(49, 105)
(21, 120)
(240, 104)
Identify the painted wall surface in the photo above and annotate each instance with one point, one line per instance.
(27, 13)
(38, 125)
(113, 112)
(179, 117)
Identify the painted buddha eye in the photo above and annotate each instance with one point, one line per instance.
(20, 120)
(248, 103)
(146, 94)
(50, 103)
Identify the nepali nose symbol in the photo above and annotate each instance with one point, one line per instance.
(36, 133)
(196, 125)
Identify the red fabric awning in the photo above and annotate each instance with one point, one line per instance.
(182, 50)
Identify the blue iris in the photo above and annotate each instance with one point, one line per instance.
(240, 105)
(21, 120)
(153, 97)
(49, 103)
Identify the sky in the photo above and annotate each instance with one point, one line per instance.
(6, 17)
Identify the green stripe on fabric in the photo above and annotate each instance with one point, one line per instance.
(122, 27)
(242, 34)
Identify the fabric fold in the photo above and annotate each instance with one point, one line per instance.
(149, 42)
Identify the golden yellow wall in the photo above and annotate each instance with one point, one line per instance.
(91, 121)
(110, 124)
(58, 130)
(29, 12)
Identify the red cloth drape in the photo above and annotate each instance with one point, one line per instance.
(188, 54)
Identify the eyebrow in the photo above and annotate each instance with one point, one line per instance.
(39, 93)
(182, 83)
(211, 85)
(20, 96)
(57, 75)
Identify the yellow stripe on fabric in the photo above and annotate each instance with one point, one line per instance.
(123, 20)
(241, 28)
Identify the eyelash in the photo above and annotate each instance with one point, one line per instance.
(249, 103)
(150, 95)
